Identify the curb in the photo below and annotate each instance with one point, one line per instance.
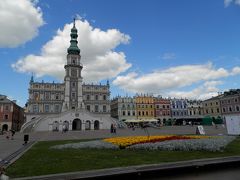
(16, 155)
(141, 171)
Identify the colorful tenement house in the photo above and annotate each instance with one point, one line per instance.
(72, 105)
(179, 109)
(230, 103)
(195, 109)
(162, 109)
(144, 107)
(11, 115)
(123, 108)
(211, 107)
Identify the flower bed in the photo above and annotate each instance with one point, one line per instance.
(124, 142)
(166, 143)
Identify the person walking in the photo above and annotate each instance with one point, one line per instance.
(111, 128)
(13, 132)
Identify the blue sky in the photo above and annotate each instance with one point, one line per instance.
(174, 48)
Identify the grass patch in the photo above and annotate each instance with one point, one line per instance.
(41, 160)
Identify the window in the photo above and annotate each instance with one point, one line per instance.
(168, 106)
(96, 97)
(47, 95)
(216, 103)
(6, 107)
(139, 113)
(212, 110)
(163, 106)
(143, 113)
(88, 107)
(73, 84)
(74, 61)
(157, 106)
(235, 100)
(230, 109)
(88, 97)
(57, 96)
(123, 113)
(96, 108)
(46, 108)
(73, 95)
(36, 96)
(224, 110)
(74, 73)
(133, 113)
(104, 97)
(129, 113)
(207, 111)
(237, 108)
(146, 113)
(35, 108)
(217, 110)
(5, 116)
(104, 108)
(57, 108)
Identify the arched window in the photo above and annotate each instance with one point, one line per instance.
(237, 108)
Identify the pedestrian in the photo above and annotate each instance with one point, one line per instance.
(13, 132)
(111, 129)
(114, 128)
(63, 129)
(7, 135)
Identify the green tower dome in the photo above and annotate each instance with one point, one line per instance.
(73, 49)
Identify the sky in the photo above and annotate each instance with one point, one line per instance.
(173, 48)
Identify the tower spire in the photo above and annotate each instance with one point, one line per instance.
(73, 49)
(31, 80)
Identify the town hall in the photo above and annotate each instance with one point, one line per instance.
(71, 105)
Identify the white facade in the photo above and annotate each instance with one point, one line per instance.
(52, 106)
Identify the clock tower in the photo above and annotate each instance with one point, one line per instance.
(73, 98)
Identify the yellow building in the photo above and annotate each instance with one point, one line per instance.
(211, 107)
(144, 107)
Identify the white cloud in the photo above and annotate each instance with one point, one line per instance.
(205, 91)
(20, 20)
(168, 56)
(98, 57)
(227, 3)
(174, 77)
(237, 2)
(236, 70)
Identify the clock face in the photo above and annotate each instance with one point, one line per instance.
(74, 72)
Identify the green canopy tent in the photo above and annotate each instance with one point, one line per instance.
(207, 120)
(218, 120)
